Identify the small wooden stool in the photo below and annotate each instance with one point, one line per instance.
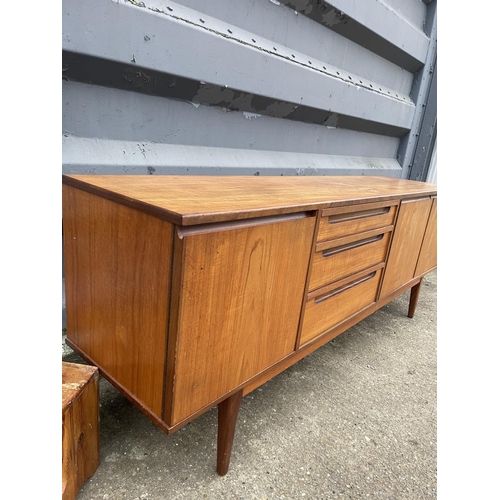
(80, 426)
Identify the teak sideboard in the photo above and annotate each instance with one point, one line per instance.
(190, 291)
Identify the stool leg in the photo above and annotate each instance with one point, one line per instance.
(415, 290)
(227, 416)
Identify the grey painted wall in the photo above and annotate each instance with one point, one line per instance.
(249, 87)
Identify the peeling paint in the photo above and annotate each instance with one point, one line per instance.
(300, 5)
(214, 94)
(243, 101)
(332, 121)
(249, 116)
(322, 12)
(153, 81)
(334, 17)
(144, 77)
(197, 92)
(319, 10)
(280, 109)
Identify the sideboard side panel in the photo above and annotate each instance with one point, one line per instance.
(242, 292)
(406, 243)
(117, 271)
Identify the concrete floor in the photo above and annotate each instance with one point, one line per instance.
(355, 419)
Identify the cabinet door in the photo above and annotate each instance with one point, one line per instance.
(241, 296)
(428, 254)
(406, 243)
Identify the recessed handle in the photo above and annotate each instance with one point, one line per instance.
(331, 294)
(342, 248)
(362, 214)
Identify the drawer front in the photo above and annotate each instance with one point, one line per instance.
(343, 221)
(338, 261)
(327, 310)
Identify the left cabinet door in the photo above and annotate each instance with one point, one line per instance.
(241, 292)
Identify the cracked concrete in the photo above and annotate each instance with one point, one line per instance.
(355, 419)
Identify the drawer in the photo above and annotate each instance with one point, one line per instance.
(337, 259)
(344, 221)
(329, 308)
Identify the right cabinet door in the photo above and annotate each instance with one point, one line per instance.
(427, 260)
(406, 244)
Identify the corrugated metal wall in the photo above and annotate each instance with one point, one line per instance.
(256, 87)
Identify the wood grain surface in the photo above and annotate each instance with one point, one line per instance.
(406, 243)
(428, 254)
(117, 268)
(188, 200)
(185, 290)
(338, 260)
(341, 222)
(74, 379)
(80, 426)
(345, 298)
(242, 292)
(227, 417)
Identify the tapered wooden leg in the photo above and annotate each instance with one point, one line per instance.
(227, 416)
(415, 290)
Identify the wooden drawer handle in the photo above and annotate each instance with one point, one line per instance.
(331, 294)
(334, 219)
(332, 251)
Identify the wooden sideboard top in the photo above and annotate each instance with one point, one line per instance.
(189, 200)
